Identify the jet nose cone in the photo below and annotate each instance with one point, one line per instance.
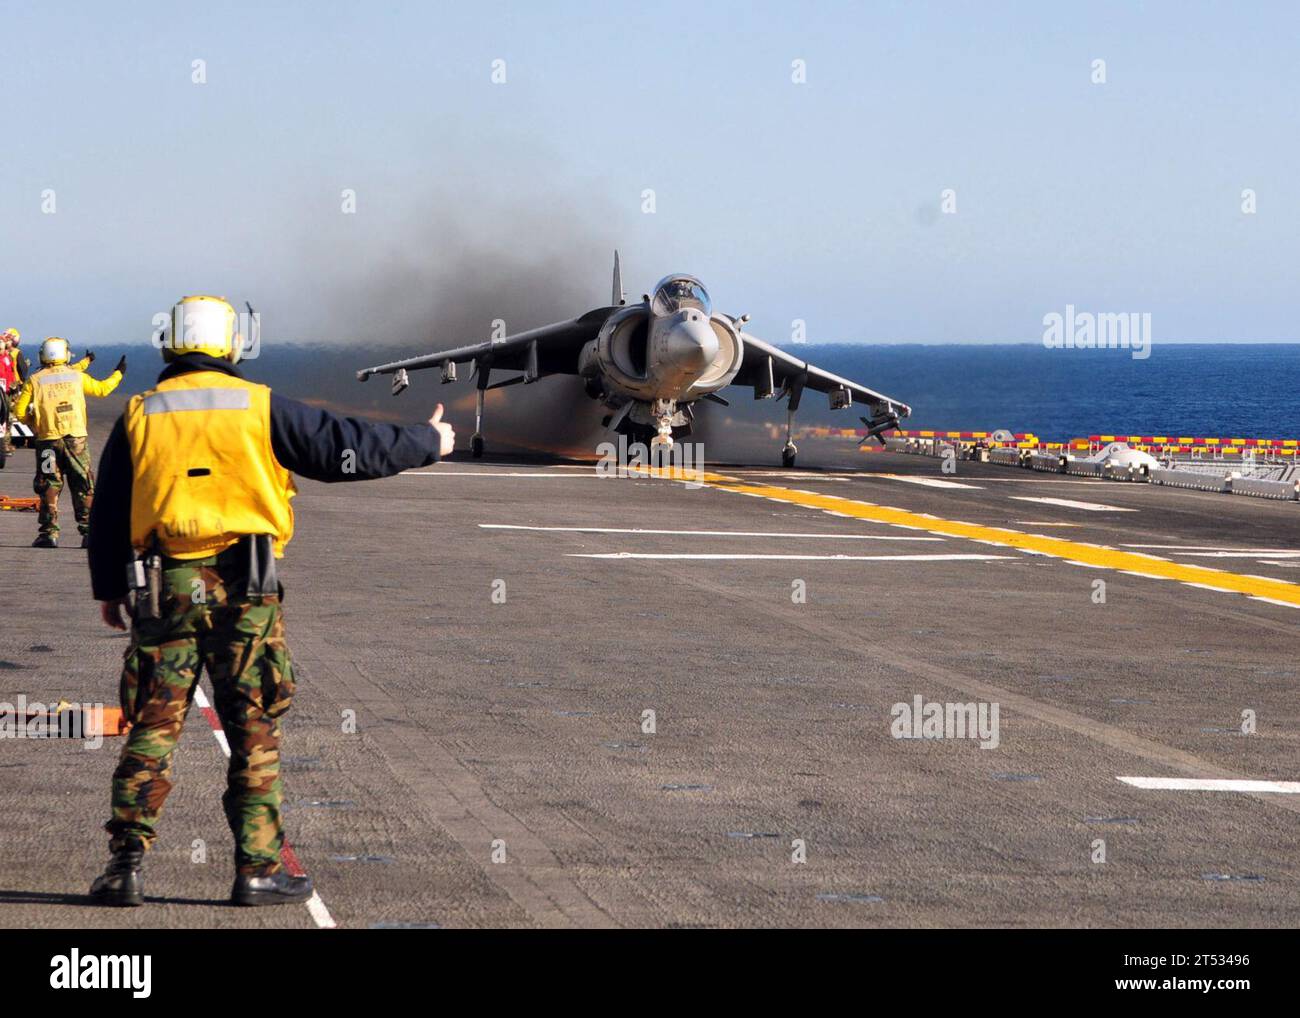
(691, 343)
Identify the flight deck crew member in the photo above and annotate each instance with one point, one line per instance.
(55, 399)
(8, 383)
(195, 480)
(21, 368)
(8, 364)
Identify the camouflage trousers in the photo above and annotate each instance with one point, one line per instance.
(57, 458)
(206, 622)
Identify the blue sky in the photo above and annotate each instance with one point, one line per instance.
(817, 201)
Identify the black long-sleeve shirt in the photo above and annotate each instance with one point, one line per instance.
(305, 440)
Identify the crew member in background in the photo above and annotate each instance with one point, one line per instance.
(21, 366)
(13, 373)
(195, 483)
(8, 362)
(55, 399)
(8, 384)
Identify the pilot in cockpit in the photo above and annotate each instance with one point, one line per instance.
(678, 292)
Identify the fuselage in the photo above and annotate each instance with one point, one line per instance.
(669, 348)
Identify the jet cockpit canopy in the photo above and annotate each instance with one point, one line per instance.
(673, 293)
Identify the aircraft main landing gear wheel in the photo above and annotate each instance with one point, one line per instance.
(787, 455)
(476, 447)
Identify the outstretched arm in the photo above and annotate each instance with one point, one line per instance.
(323, 446)
(95, 387)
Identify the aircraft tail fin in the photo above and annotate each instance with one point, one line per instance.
(617, 296)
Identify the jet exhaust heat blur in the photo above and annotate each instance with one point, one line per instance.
(648, 363)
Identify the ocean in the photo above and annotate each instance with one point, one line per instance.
(1231, 390)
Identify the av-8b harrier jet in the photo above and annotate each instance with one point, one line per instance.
(649, 362)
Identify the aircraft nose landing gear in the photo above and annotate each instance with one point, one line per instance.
(663, 411)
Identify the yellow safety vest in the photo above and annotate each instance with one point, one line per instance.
(58, 402)
(54, 399)
(204, 471)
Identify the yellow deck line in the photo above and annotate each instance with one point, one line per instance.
(1276, 591)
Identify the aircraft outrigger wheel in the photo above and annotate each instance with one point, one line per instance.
(789, 451)
(476, 440)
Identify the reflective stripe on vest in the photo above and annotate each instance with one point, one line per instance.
(195, 399)
(62, 376)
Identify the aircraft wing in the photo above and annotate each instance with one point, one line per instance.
(549, 350)
(776, 372)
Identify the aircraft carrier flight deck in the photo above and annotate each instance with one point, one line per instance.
(529, 695)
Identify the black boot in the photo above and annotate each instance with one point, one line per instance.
(46, 541)
(276, 889)
(122, 883)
